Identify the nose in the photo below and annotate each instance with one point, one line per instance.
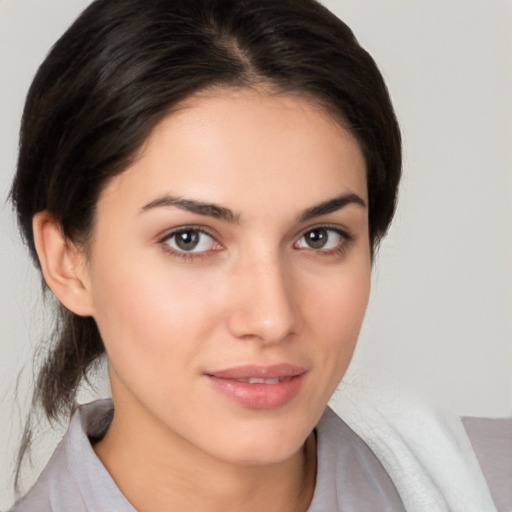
(264, 305)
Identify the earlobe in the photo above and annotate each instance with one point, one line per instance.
(62, 264)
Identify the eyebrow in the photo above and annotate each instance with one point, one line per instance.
(332, 205)
(225, 214)
(199, 207)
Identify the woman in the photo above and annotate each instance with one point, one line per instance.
(203, 185)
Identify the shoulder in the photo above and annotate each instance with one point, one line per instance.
(74, 478)
(492, 442)
(56, 486)
(426, 455)
(349, 475)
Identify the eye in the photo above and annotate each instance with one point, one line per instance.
(322, 238)
(189, 240)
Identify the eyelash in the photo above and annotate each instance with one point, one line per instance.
(346, 240)
(340, 249)
(184, 255)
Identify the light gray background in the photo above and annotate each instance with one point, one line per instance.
(439, 322)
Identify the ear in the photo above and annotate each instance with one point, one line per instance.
(63, 265)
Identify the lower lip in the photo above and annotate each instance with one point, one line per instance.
(259, 396)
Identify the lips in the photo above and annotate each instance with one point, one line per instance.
(275, 371)
(259, 380)
(259, 387)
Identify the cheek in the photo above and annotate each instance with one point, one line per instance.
(149, 316)
(336, 313)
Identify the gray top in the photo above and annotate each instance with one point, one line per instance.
(492, 443)
(349, 476)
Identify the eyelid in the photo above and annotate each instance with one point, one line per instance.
(346, 240)
(168, 233)
(188, 255)
(342, 230)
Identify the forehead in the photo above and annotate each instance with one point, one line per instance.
(244, 148)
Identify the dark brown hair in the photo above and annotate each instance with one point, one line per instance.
(124, 64)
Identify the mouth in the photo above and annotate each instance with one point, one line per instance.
(258, 380)
(259, 387)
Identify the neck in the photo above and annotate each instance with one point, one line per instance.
(158, 472)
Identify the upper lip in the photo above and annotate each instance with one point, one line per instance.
(261, 371)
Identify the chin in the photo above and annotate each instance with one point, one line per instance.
(262, 441)
(264, 453)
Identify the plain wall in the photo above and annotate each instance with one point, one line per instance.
(439, 321)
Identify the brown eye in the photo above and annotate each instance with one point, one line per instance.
(190, 240)
(317, 238)
(187, 240)
(320, 238)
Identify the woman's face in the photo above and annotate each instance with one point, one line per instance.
(229, 273)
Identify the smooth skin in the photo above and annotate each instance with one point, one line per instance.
(254, 275)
